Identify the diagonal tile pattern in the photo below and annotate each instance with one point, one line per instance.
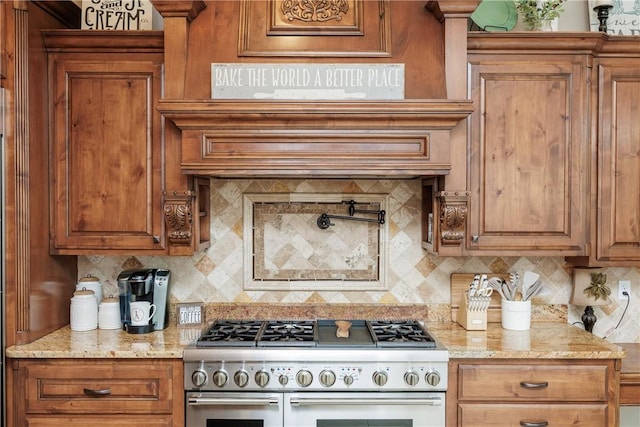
(414, 276)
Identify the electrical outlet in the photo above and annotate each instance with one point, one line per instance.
(624, 286)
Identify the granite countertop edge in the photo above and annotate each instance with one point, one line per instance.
(542, 341)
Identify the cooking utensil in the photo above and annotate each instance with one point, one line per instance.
(529, 279)
(534, 290)
(496, 284)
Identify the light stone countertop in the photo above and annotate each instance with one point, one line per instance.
(544, 340)
(105, 343)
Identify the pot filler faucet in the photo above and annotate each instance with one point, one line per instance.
(324, 220)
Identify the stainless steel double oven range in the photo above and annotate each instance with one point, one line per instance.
(308, 373)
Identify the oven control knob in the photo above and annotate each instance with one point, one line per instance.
(262, 378)
(241, 378)
(283, 379)
(411, 378)
(220, 378)
(348, 379)
(379, 378)
(327, 378)
(199, 378)
(432, 378)
(304, 378)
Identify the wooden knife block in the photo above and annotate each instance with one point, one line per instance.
(459, 310)
(471, 320)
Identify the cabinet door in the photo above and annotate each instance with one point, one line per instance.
(529, 144)
(618, 226)
(106, 155)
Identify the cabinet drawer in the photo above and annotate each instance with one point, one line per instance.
(513, 415)
(630, 389)
(546, 383)
(101, 387)
(97, 421)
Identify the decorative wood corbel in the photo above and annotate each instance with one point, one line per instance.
(178, 216)
(453, 216)
(182, 8)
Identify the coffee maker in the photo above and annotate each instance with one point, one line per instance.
(147, 284)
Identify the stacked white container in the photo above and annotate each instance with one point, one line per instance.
(84, 312)
(92, 284)
(109, 313)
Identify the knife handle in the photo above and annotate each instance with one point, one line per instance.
(526, 384)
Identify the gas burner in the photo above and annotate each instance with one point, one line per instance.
(400, 333)
(288, 332)
(231, 333)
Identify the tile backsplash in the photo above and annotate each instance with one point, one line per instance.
(412, 276)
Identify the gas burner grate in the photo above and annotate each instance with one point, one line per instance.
(400, 334)
(288, 333)
(230, 333)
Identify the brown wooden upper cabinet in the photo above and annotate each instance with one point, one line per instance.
(106, 160)
(528, 146)
(618, 213)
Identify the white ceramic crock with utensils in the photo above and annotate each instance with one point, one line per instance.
(109, 313)
(516, 315)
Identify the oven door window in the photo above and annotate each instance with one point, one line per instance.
(365, 423)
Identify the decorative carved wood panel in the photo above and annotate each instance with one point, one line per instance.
(310, 28)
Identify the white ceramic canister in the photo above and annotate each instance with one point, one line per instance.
(93, 284)
(109, 313)
(516, 315)
(84, 312)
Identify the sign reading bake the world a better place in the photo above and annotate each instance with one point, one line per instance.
(307, 81)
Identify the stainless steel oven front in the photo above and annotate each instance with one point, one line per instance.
(316, 409)
(214, 409)
(323, 382)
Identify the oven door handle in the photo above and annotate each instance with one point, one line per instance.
(306, 401)
(214, 401)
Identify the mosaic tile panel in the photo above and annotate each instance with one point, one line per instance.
(289, 245)
(289, 248)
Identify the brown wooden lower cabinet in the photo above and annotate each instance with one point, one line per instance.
(97, 392)
(84, 421)
(532, 415)
(533, 393)
(630, 375)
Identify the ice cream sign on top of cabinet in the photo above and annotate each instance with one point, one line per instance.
(117, 15)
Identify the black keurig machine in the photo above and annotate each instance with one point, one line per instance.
(151, 285)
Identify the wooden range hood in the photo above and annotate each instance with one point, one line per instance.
(421, 135)
(321, 139)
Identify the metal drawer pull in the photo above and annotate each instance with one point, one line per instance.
(534, 423)
(525, 384)
(93, 392)
(301, 401)
(204, 401)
